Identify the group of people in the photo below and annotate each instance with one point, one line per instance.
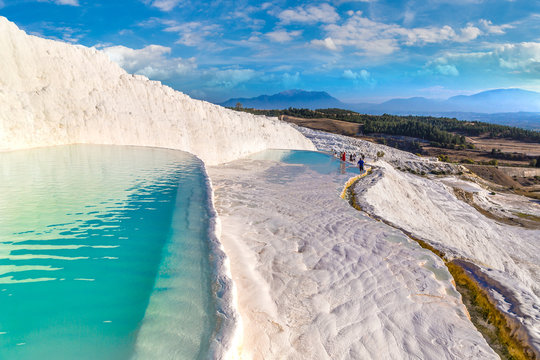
(352, 158)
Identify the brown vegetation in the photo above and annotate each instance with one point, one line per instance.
(333, 126)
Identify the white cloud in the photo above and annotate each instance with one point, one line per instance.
(229, 78)
(429, 35)
(408, 16)
(494, 29)
(449, 70)
(151, 61)
(290, 80)
(524, 57)
(361, 75)
(67, 2)
(339, 2)
(323, 13)
(375, 38)
(325, 43)
(514, 57)
(62, 33)
(439, 66)
(468, 33)
(361, 33)
(165, 5)
(192, 33)
(458, 2)
(283, 36)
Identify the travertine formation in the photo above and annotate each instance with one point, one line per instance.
(52, 93)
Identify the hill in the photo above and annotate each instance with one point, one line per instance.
(513, 107)
(287, 99)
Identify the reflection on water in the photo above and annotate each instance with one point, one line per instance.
(85, 231)
(318, 161)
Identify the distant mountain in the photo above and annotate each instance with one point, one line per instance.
(514, 107)
(289, 98)
(525, 120)
(492, 101)
(497, 101)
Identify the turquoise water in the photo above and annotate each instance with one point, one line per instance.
(320, 162)
(103, 254)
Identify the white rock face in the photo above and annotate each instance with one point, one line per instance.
(508, 256)
(53, 93)
(327, 142)
(429, 209)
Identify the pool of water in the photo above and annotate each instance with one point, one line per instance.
(104, 254)
(320, 162)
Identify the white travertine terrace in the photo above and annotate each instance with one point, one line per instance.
(53, 93)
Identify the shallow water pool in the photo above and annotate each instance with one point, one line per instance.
(104, 254)
(320, 162)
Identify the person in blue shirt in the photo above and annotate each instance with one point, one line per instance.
(361, 165)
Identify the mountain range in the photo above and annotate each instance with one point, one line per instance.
(514, 107)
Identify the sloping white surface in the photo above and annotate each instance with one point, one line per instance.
(53, 93)
(327, 142)
(318, 280)
(429, 209)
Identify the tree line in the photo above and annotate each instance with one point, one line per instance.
(440, 131)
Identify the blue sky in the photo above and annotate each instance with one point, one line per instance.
(357, 50)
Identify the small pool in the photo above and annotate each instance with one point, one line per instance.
(320, 162)
(104, 254)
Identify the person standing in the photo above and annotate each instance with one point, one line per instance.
(361, 165)
(344, 156)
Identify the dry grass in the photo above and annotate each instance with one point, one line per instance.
(484, 144)
(329, 125)
(487, 318)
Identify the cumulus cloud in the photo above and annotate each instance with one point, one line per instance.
(524, 57)
(518, 58)
(312, 14)
(468, 33)
(151, 61)
(283, 36)
(377, 38)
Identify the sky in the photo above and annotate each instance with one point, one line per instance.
(356, 50)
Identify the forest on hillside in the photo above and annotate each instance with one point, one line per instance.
(439, 131)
